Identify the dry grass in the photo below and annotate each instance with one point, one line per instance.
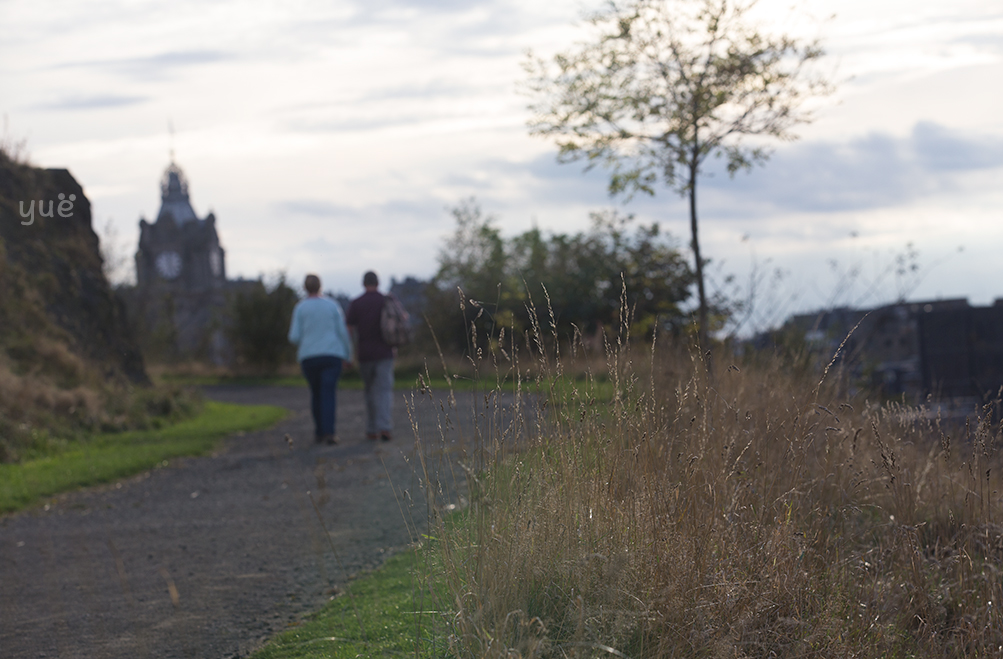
(62, 399)
(751, 512)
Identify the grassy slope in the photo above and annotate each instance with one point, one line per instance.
(391, 613)
(108, 457)
(68, 361)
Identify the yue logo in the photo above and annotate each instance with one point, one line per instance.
(64, 208)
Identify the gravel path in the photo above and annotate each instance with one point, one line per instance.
(207, 557)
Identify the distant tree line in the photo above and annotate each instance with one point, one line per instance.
(575, 282)
(581, 283)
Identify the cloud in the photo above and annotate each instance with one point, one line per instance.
(871, 172)
(425, 5)
(318, 246)
(990, 43)
(389, 106)
(940, 149)
(91, 102)
(465, 28)
(153, 67)
(438, 89)
(405, 10)
(395, 212)
(312, 207)
(352, 125)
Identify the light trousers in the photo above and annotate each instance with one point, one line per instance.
(378, 378)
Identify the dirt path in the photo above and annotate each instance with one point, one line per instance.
(207, 557)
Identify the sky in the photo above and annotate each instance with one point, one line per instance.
(334, 137)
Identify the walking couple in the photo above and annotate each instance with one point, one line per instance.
(326, 338)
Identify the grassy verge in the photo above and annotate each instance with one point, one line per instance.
(396, 610)
(408, 606)
(666, 510)
(108, 457)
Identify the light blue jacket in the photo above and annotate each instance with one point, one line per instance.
(318, 328)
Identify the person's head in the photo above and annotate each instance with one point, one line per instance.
(312, 284)
(370, 281)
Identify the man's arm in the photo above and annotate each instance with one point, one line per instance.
(343, 334)
(351, 319)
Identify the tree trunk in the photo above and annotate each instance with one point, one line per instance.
(702, 340)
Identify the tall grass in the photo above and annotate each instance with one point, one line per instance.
(639, 503)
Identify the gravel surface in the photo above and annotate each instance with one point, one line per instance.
(207, 557)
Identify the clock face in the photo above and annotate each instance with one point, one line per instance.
(216, 262)
(169, 265)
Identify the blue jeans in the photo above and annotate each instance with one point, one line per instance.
(322, 372)
(378, 378)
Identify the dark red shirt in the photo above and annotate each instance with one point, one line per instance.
(364, 318)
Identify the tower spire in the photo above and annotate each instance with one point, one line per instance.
(170, 131)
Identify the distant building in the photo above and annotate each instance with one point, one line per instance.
(943, 348)
(178, 251)
(180, 298)
(411, 293)
(962, 351)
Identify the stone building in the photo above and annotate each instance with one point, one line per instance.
(180, 297)
(946, 349)
(179, 251)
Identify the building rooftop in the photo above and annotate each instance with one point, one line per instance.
(174, 196)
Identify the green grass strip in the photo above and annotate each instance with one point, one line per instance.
(351, 381)
(108, 457)
(397, 611)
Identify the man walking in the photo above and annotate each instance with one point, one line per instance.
(375, 357)
(318, 329)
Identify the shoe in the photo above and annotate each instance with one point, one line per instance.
(371, 436)
(385, 436)
(327, 439)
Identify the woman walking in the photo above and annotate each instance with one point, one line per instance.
(318, 329)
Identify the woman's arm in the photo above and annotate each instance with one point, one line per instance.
(295, 327)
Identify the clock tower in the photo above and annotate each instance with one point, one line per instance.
(180, 277)
(179, 251)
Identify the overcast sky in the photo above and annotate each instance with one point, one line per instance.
(334, 136)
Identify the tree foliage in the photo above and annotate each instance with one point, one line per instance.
(580, 277)
(666, 84)
(260, 325)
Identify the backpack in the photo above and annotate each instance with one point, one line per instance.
(395, 323)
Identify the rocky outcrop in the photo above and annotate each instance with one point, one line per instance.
(54, 297)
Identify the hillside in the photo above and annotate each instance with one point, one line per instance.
(68, 360)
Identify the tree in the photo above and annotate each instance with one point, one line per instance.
(260, 324)
(667, 84)
(580, 277)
